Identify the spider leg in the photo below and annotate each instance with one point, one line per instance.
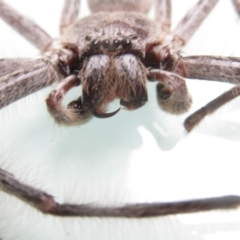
(221, 69)
(45, 203)
(195, 118)
(163, 13)
(10, 65)
(75, 113)
(225, 69)
(69, 14)
(22, 77)
(26, 27)
(192, 20)
(172, 92)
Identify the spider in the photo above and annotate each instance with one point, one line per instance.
(100, 62)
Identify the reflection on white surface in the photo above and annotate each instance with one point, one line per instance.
(139, 156)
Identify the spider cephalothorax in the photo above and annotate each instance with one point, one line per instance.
(115, 62)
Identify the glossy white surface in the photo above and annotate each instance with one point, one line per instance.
(139, 156)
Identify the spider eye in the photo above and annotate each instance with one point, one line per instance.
(96, 44)
(88, 38)
(126, 42)
(106, 43)
(116, 43)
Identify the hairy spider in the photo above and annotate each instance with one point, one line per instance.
(113, 61)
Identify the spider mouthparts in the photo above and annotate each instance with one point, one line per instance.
(104, 115)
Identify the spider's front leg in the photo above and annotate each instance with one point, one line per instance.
(202, 67)
(22, 77)
(172, 93)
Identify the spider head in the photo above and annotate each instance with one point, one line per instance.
(115, 54)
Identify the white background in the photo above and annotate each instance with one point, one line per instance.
(139, 156)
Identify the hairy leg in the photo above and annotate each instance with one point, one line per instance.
(191, 21)
(46, 203)
(163, 14)
(26, 27)
(29, 77)
(223, 69)
(211, 107)
(10, 65)
(74, 114)
(69, 14)
(172, 92)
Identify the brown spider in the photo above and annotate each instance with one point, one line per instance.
(115, 54)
